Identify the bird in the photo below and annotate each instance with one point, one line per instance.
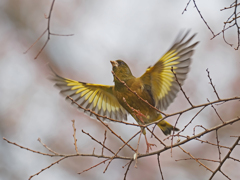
(157, 86)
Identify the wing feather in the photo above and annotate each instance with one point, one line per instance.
(160, 77)
(96, 97)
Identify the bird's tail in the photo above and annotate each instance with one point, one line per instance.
(166, 127)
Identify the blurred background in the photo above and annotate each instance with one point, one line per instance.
(137, 31)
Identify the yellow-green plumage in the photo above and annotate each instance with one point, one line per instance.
(157, 85)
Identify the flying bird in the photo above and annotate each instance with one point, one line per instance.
(157, 85)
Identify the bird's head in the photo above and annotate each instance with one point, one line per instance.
(121, 70)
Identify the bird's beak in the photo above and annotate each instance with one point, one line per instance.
(114, 63)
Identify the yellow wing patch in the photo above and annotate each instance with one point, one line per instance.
(96, 97)
(162, 81)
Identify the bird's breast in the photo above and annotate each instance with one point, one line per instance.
(133, 103)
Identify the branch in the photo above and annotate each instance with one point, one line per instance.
(181, 87)
(103, 146)
(158, 158)
(125, 174)
(226, 157)
(203, 18)
(105, 137)
(74, 136)
(48, 33)
(56, 162)
(214, 89)
(192, 137)
(195, 159)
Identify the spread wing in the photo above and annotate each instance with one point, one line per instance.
(164, 87)
(96, 97)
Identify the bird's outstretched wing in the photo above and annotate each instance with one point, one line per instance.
(160, 78)
(96, 97)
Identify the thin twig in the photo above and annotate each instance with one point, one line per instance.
(185, 9)
(68, 155)
(214, 89)
(198, 126)
(56, 162)
(28, 149)
(94, 166)
(192, 137)
(225, 174)
(224, 29)
(47, 147)
(203, 18)
(203, 159)
(174, 131)
(156, 137)
(192, 119)
(179, 84)
(125, 174)
(98, 141)
(219, 152)
(236, 23)
(74, 136)
(234, 159)
(216, 112)
(231, 6)
(167, 116)
(120, 150)
(104, 117)
(136, 154)
(119, 137)
(195, 159)
(158, 158)
(225, 158)
(105, 137)
(47, 30)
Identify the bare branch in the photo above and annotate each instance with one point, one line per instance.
(135, 156)
(94, 166)
(203, 18)
(120, 150)
(28, 149)
(192, 137)
(74, 136)
(214, 89)
(47, 147)
(125, 174)
(195, 158)
(158, 158)
(105, 137)
(56, 162)
(219, 152)
(227, 24)
(98, 142)
(216, 112)
(185, 9)
(203, 159)
(47, 30)
(225, 158)
(181, 87)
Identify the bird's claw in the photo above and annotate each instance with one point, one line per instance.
(149, 146)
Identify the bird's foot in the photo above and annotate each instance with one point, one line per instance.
(149, 145)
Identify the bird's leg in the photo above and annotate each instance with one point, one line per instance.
(148, 144)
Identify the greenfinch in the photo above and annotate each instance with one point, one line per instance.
(157, 85)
